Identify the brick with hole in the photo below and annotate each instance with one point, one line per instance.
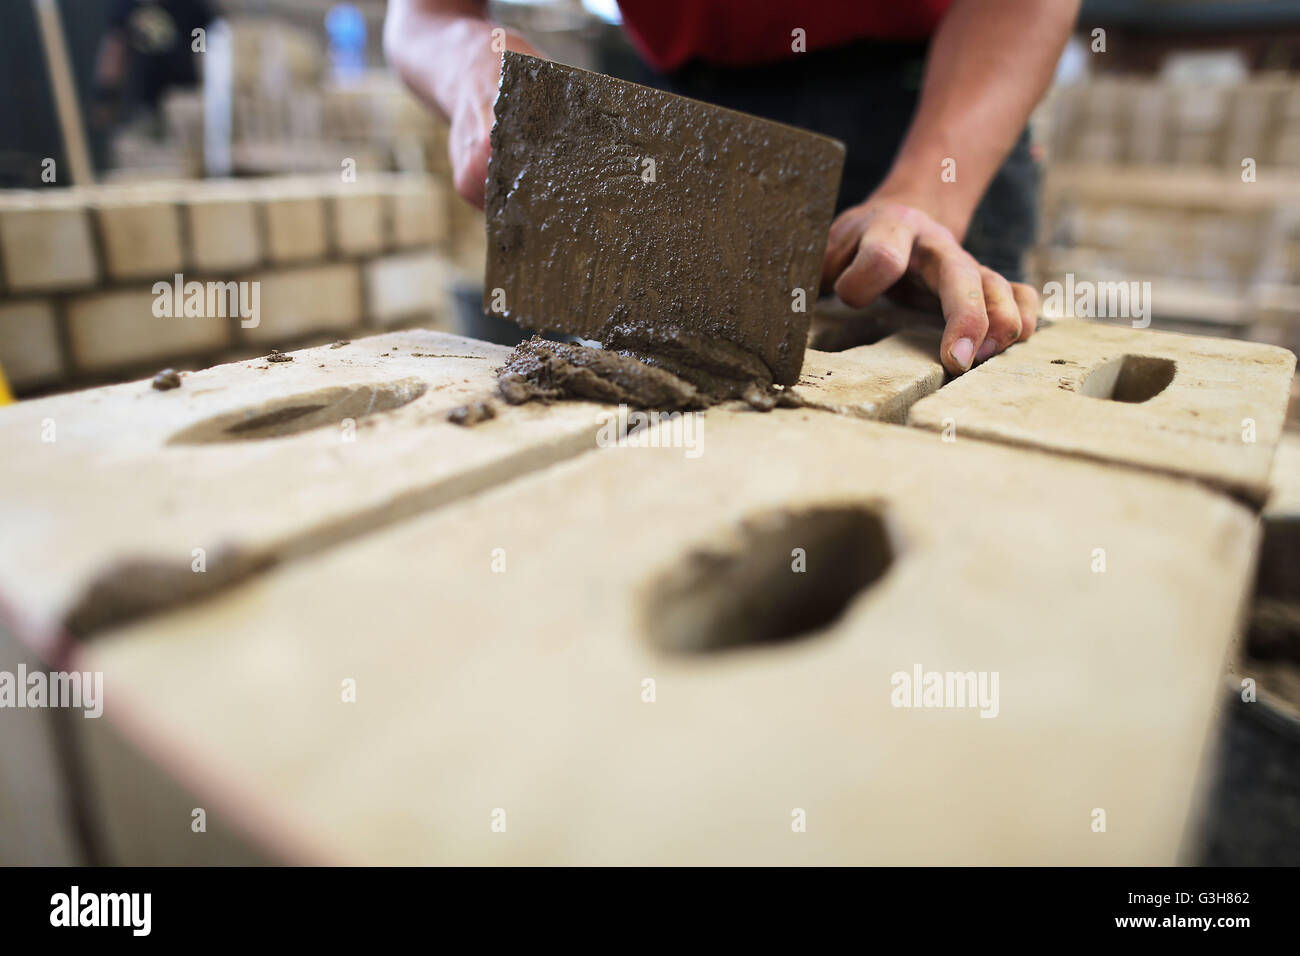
(247, 461)
(46, 243)
(1204, 408)
(69, 562)
(807, 622)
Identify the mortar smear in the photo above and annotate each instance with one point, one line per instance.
(668, 380)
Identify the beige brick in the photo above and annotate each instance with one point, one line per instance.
(46, 244)
(468, 239)
(405, 286)
(142, 238)
(992, 553)
(1181, 404)
(296, 302)
(880, 382)
(358, 221)
(117, 329)
(223, 233)
(29, 344)
(417, 211)
(52, 563)
(402, 461)
(295, 228)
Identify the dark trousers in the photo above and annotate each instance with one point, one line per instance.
(864, 94)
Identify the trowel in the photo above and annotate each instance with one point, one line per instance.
(614, 204)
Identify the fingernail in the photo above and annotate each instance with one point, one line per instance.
(963, 351)
(986, 350)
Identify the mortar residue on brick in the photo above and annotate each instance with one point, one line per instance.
(541, 370)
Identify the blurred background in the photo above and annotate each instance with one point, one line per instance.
(266, 139)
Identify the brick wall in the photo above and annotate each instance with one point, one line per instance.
(79, 267)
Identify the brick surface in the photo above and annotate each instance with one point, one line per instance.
(46, 244)
(119, 329)
(417, 212)
(1050, 393)
(142, 238)
(296, 302)
(296, 229)
(402, 460)
(357, 221)
(543, 665)
(405, 286)
(29, 343)
(223, 232)
(62, 547)
(880, 381)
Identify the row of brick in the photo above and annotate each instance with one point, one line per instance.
(1220, 252)
(44, 341)
(70, 239)
(1139, 120)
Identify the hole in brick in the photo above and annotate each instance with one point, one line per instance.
(750, 593)
(1129, 378)
(294, 414)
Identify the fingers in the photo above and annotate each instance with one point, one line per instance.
(871, 247)
(471, 145)
(954, 276)
(1027, 302)
(1003, 312)
(883, 253)
(842, 243)
(470, 169)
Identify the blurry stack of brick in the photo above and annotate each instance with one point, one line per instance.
(288, 115)
(1150, 181)
(332, 258)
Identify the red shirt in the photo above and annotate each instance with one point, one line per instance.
(668, 33)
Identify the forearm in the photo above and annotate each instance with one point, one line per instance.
(989, 64)
(432, 44)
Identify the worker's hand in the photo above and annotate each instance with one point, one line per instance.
(452, 61)
(885, 246)
(471, 115)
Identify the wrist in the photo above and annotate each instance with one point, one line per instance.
(942, 200)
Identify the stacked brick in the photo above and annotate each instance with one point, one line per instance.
(1222, 254)
(1145, 121)
(297, 123)
(529, 617)
(82, 270)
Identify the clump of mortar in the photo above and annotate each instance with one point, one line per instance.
(643, 365)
